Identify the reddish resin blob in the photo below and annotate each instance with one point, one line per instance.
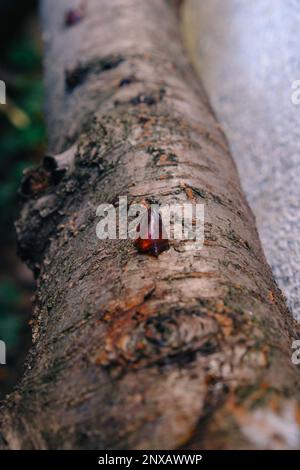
(152, 237)
(74, 16)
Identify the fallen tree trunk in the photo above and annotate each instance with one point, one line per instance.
(189, 350)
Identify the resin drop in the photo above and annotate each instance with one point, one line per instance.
(74, 16)
(152, 237)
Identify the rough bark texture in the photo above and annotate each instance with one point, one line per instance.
(190, 350)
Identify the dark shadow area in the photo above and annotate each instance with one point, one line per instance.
(22, 144)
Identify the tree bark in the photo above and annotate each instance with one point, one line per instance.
(190, 350)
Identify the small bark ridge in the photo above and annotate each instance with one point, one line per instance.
(79, 74)
(152, 237)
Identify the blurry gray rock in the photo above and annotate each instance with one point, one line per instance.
(248, 56)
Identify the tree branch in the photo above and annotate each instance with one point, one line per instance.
(188, 350)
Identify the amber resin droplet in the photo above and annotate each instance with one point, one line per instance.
(74, 16)
(152, 237)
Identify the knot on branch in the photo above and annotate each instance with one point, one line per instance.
(42, 197)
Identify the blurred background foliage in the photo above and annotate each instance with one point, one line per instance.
(22, 144)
